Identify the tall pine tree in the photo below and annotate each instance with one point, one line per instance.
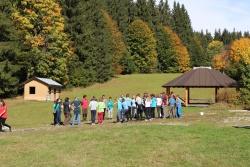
(10, 70)
(92, 42)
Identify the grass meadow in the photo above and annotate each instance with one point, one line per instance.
(195, 140)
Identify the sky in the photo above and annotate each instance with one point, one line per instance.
(215, 14)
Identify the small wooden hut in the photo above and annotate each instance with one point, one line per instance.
(41, 89)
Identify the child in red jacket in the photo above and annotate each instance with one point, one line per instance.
(3, 115)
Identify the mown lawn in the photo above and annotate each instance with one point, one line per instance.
(128, 145)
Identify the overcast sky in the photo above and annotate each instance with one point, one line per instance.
(215, 14)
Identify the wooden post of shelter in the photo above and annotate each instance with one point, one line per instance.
(216, 95)
(186, 96)
(168, 90)
(188, 101)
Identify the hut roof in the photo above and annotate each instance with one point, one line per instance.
(202, 77)
(47, 81)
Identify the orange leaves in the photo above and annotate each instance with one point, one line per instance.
(240, 50)
(117, 42)
(219, 61)
(183, 58)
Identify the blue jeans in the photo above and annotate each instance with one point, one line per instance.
(119, 115)
(76, 119)
(178, 112)
(58, 117)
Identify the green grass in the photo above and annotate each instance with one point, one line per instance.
(34, 114)
(194, 140)
(131, 145)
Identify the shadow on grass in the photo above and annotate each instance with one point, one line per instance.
(244, 127)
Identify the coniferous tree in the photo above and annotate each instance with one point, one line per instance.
(10, 70)
(143, 12)
(122, 11)
(167, 58)
(164, 13)
(92, 41)
(181, 24)
(217, 35)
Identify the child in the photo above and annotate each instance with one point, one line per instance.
(124, 109)
(172, 104)
(139, 103)
(84, 108)
(148, 108)
(129, 104)
(93, 107)
(105, 102)
(153, 105)
(110, 106)
(119, 110)
(54, 111)
(100, 110)
(178, 106)
(134, 111)
(66, 109)
(77, 110)
(58, 110)
(3, 115)
(159, 106)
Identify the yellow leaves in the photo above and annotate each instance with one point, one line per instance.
(215, 45)
(42, 26)
(240, 50)
(181, 51)
(219, 61)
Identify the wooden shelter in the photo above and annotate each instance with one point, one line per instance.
(201, 77)
(41, 89)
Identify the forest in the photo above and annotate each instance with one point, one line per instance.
(81, 42)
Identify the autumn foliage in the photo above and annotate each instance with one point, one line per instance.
(118, 45)
(240, 50)
(219, 61)
(182, 55)
(41, 28)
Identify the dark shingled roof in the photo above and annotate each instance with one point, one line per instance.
(202, 77)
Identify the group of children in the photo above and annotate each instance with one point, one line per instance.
(128, 108)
